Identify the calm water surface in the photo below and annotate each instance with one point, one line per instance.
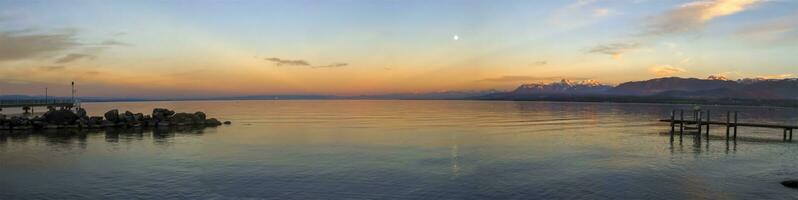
(403, 150)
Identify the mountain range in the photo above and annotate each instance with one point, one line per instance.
(671, 89)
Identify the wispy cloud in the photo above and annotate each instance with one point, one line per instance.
(783, 30)
(666, 70)
(281, 62)
(694, 15)
(73, 57)
(578, 13)
(25, 45)
(52, 68)
(540, 63)
(114, 43)
(615, 49)
(684, 18)
(334, 65)
(303, 63)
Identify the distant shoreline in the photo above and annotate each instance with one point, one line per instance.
(586, 99)
(779, 103)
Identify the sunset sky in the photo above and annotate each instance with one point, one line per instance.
(185, 48)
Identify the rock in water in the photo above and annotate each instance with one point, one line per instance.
(81, 112)
(227, 122)
(129, 117)
(200, 115)
(138, 116)
(199, 118)
(112, 115)
(212, 122)
(161, 113)
(790, 183)
(60, 117)
(182, 119)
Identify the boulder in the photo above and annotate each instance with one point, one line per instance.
(161, 113)
(60, 117)
(200, 115)
(212, 122)
(20, 121)
(128, 117)
(227, 122)
(81, 113)
(138, 116)
(112, 115)
(182, 119)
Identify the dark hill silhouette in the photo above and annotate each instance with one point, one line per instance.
(714, 90)
(654, 86)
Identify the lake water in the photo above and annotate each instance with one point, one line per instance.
(404, 150)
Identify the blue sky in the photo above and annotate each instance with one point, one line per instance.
(235, 47)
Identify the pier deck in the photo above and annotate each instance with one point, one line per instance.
(700, 123)
(758, 125)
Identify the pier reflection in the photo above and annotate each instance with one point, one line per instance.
(79, 137)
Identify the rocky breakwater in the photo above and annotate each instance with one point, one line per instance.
(55, 119)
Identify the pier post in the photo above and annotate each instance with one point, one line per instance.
(728, 124)
(735, 125)
(698, 122)
(708, 123)
(785, 135)
(673, 123)
(790, 139)
(681, 123)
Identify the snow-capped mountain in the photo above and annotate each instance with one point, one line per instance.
(564, 86)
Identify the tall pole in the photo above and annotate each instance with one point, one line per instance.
(73, 91)
(73, 95)
(45, 95)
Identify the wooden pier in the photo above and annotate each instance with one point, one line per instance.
(28, 104)
(700, 124)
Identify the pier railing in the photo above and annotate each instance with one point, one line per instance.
(39, 103)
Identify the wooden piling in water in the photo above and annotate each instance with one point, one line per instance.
(673, 123)
(735, 125)
(784, 136)
(708, 120)
(728, 125)
(698, 122)
(681, 123)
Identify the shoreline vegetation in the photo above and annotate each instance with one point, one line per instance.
(78, 119)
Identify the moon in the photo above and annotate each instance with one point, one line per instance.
(456, 37)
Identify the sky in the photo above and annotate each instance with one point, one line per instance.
(182, 48)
